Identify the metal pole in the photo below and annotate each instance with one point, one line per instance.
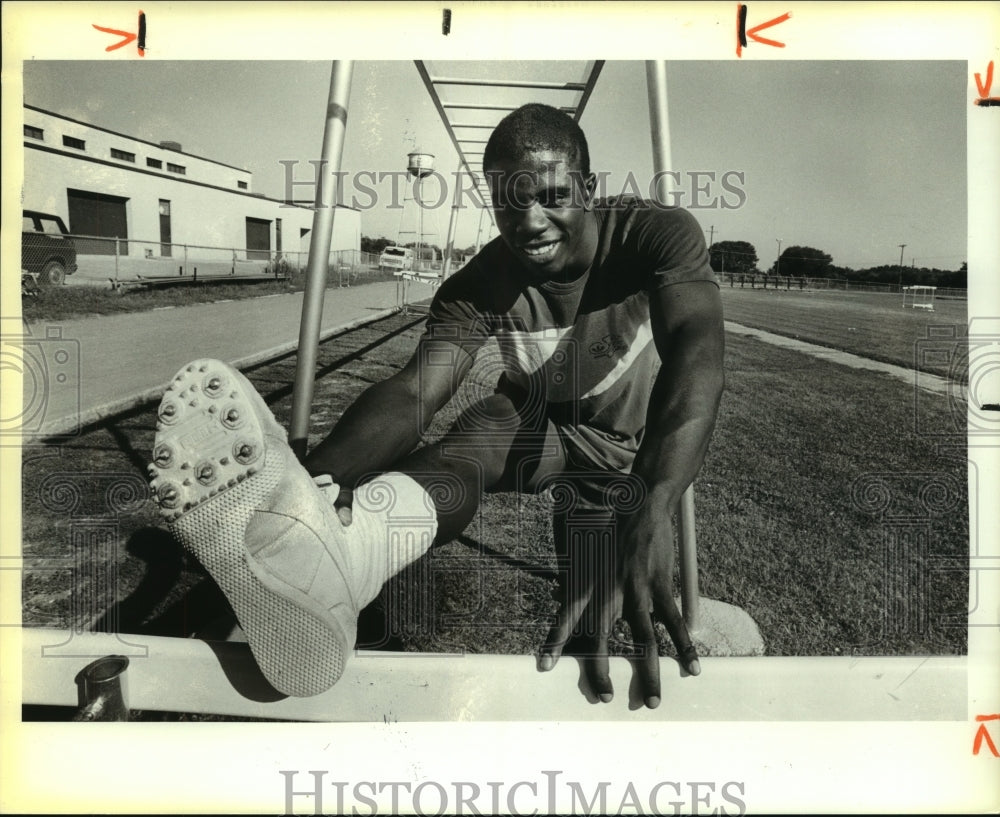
(656, 85)
(419, 193)
(452, 222)
(901, 248)
(479, 232)
(319, 252)
(102, 690)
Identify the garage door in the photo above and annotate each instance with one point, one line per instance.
(258, 239)
(98, 214)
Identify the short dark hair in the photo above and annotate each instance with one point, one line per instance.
(536, 127)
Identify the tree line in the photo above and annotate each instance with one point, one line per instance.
(740, 257)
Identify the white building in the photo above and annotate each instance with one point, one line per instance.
(172, 206)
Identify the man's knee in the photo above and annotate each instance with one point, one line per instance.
(512, 440)
(485, 432)
(500, 417)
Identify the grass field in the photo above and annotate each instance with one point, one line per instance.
(873, 325)
(828, 508)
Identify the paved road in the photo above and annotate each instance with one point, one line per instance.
(77, 371)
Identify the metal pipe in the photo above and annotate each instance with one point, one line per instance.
(102, 691)
(432, 91)
(319, 252)
(452, 223)
(474, 106)
(479, 232)
(511, 83)
(592, 73)
(656, 85)
(688, 560)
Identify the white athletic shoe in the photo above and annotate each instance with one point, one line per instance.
(235, 495)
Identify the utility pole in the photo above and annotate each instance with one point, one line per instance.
(901, 247)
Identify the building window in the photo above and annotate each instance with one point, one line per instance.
(154, 163)
(73, 142)
(124, 155)
(176, 168)
(241, 185)
(33, 132)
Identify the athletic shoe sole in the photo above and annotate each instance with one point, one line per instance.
(233, 493)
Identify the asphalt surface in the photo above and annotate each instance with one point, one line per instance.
(79, 371)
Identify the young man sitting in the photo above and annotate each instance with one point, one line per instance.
(609, 322)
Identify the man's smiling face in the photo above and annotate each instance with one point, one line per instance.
(541, 203)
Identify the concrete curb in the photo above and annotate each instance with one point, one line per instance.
(923, 380)
(71, 425)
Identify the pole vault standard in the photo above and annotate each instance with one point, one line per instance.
(319, 252)
(656, 84)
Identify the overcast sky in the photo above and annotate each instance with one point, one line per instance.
(851, 157)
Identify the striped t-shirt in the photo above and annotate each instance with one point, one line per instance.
(586, 347)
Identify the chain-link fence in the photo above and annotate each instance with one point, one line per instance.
(50, 258)
(786, 282)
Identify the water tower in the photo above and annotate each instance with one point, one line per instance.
(419, 165)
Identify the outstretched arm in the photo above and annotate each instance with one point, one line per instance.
(386, 422)
(688, 331)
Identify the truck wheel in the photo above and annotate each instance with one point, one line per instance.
(53, 274)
